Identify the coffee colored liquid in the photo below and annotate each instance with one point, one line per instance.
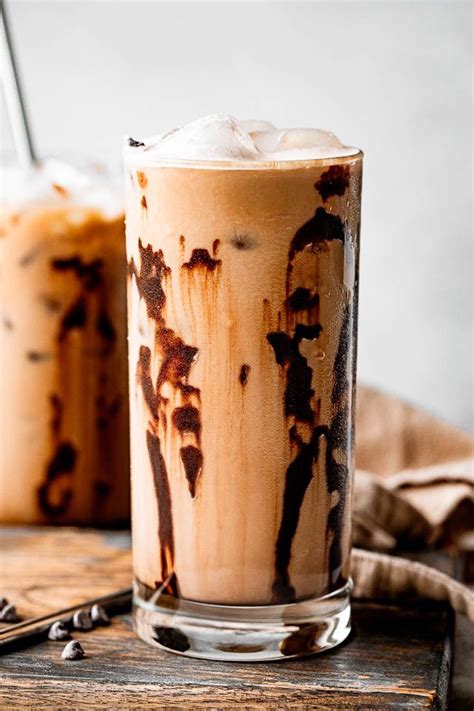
(242, 305)
(63, 383)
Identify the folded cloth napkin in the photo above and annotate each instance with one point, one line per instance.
(414, 487)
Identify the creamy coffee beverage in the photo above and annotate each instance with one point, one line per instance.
(242, 243)
(63, 376)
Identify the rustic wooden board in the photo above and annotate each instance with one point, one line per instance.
(397, 657)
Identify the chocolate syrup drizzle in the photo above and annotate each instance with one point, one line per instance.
(244, 374)
(201, 257)
(192, 461)
(63, 461)
(300, 405)
(61, 466)
(165, 519)
(333, 181)
(177, 359)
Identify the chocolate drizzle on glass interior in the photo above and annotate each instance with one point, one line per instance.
(63, 385)
(242, 312)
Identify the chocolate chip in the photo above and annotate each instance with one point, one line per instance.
(9, 614)
(99, 615)
(73, 651)
(58, 631)
(82, 620)
(134, 144)
(3, 602)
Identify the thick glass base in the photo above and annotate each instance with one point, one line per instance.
(244, 633)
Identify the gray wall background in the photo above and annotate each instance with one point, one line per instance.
(392, 78)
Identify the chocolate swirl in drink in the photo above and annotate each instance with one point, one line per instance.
(242, 244)
(63, 383)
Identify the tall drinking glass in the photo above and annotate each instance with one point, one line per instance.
(242, 344)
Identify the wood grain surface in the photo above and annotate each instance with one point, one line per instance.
(396, 658)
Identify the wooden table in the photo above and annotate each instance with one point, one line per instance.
(396, 658)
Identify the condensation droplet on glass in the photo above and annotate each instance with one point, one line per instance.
(319, 354)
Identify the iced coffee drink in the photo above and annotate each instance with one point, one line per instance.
(242, 244)
(63, 364)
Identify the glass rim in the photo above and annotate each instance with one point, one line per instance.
(137, 163)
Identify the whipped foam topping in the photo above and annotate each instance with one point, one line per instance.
(222, 138)
(53, 182)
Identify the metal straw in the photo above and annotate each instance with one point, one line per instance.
(35, 629)
(14, 97)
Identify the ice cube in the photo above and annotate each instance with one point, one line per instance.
(292, 138)
(267, 141)
(253, 125)
(214, 137)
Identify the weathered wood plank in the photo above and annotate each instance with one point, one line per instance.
(44, 569)
(397, 658)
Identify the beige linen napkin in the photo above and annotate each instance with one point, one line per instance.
(414, 487)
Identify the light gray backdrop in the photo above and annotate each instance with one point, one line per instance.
(392, 78)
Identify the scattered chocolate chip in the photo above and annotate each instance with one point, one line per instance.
(72, 651)
(3, 602)
(58, 631)
(99, 615)
(9, 614)
(82, 620)
(134, 144)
